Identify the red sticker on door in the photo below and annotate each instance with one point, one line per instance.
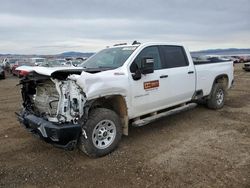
(151, 84)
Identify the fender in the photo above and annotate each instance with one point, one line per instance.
(220, 77)
(117, 103)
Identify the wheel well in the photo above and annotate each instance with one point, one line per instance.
(116, 103)
(222, 79)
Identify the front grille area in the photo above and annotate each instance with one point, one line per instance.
(46, 98)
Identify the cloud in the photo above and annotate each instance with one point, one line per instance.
(47, 27)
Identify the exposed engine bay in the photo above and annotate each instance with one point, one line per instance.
(58, 101)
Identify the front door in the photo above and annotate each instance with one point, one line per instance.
(147, 92)
(171, 83)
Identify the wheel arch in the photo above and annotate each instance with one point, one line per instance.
(222, 78)
(117, 103)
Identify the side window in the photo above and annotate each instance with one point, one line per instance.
(151, 52)
(173, 56)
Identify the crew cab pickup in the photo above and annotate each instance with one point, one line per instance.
(93, 106)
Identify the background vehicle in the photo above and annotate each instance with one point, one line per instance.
(20, 73)
(52, 63)
(37, 61)
(120, 86)
(246, 66)
(75, 62)
(241, 58)
(2, 73)
(8, 64)
(246, 58)
(70, 62)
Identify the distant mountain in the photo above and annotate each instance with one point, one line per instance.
(75, 54)
(228, 51)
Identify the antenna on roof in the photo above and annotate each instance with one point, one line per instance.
(135, 42)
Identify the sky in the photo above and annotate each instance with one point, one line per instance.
(55, 26)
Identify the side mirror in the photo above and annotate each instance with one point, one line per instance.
(136, 73)
(147, 65)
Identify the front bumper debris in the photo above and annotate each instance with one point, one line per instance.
(61, 135)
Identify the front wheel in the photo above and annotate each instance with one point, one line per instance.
(103, 133)
(217, 97)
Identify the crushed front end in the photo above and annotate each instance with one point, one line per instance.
(51, 109)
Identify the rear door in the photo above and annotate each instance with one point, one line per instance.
(179, 74)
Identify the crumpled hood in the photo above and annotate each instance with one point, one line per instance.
(104, 83)
(47, 71)
(99, 84)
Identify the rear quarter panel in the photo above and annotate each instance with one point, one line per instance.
(207, 73)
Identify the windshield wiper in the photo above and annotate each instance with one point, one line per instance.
(105, 67)
(99, 67)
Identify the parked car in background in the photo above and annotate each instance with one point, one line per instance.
(82, 58)
(37, 61)
(12, 63)
(2, 73)
(75, 62)
(241, 58)
(246, 66)
(8, 64)
(69, 63)
(24, 70)
(52, 63)
(232, 58)
(4, 63)
(236, 59)
(20, 73)
(247, 58)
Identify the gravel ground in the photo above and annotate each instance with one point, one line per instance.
(197, 148)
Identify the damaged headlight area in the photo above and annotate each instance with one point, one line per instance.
(54, 100)
(52, 108)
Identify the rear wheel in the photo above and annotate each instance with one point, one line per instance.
(217, 97)
(103, 133)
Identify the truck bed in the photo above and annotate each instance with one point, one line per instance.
(207, 71)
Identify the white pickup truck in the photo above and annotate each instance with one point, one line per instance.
(91, 107)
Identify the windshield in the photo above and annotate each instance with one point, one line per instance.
(109, 58)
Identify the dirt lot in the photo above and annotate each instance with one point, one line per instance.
(197, 148)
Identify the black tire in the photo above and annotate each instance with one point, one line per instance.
(91, 145)
(217, 97)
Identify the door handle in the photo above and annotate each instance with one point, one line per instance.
(191, 72)
(163, 76)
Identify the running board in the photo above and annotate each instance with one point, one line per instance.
(147, 120)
